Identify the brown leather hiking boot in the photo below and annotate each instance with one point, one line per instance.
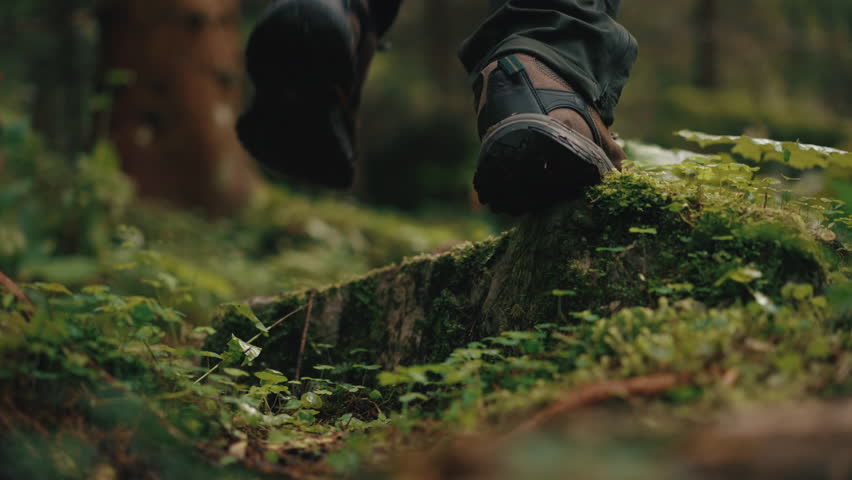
(308, 60)
(541, 141)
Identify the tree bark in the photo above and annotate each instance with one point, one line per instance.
(707, 61)
(420, 310)
(173, 121)
(61, 80)
(440, 48)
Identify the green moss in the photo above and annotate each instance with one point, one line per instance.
(624, 246)
(444, 325)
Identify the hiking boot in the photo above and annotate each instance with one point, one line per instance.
(541, 141)
(308, 60)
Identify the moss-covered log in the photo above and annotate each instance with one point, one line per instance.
(629, 242)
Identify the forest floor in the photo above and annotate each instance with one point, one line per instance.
(693, 320)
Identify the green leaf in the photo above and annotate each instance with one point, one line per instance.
(766, 303)
(323, 368)
(68, 270)
(611, 249)
(412, 397)
(307, 416)
(204, 330)
(819, 302)
(520, 335)
(677, 207)
(746, 275)
(742, 275)
(546, 326)
(95, 290)
(564, 293)
(798, 155)
(236, 373)
(249, 351)
(312, 401)
(281, 436)
(643, 231)
(368, 368)
(387, 379)
(681, 287)
(803, 292)
(271, 377)
(48, 288)
(246, 312)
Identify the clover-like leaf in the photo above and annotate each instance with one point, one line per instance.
(797, 155)
(246, 312)
(244, 349)
(271, 377)
(48, 288)
(412, 397)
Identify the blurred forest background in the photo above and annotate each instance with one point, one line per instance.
(106, 102)
(163, 80)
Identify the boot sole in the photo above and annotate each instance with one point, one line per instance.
(529, 162)
(300, 60)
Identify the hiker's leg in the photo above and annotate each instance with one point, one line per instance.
(384, 13)
(579, 39)
(547, 75)
(308, 60)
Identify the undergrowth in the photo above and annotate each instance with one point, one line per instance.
(113, 381)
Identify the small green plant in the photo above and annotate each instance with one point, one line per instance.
(120, 367)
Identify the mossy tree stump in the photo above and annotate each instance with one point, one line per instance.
(631, 241)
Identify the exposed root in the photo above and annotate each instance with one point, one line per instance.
(594, 394)
(13, 288)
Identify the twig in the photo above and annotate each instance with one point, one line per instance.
(16, 291)
(304, 338)
(279, 322)
(10, 427)
(596, 393)
(30, 422)
(209, 372)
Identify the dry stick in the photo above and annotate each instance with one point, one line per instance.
(30, 422)
(596, 393)
(279, 322)
(304, 338)
(15, 290)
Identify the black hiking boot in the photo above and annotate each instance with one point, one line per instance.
(308, 60)
(541, 142)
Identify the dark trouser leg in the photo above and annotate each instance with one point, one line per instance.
(579, 39)
(384, 13)
(308, 60)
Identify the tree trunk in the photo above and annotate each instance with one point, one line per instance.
(173, 119)
(440, 49)
(707, 54)
(582, 257)
(61, 80)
